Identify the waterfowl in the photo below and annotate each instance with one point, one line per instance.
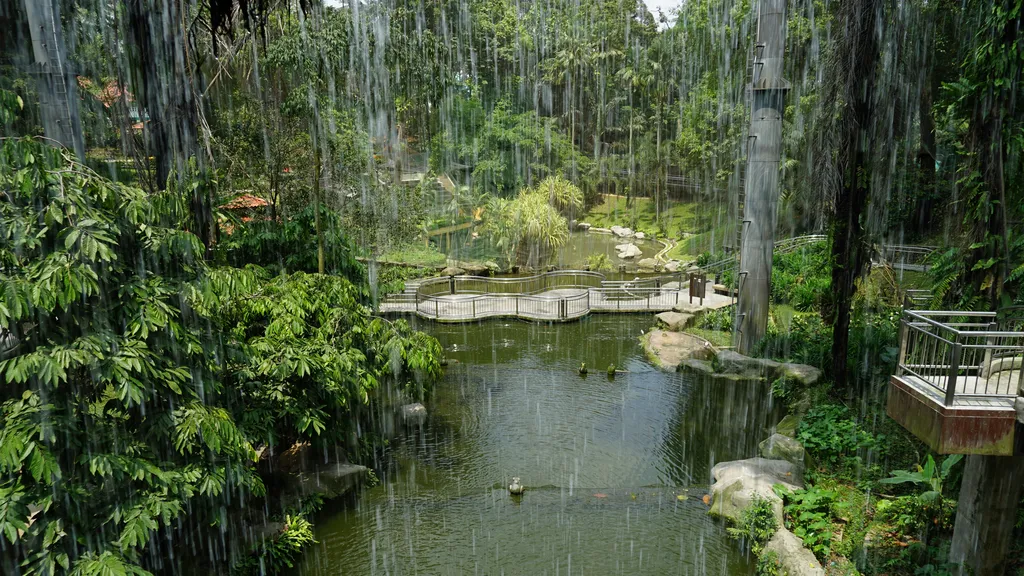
(515, 488)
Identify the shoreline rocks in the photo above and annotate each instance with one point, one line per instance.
(793, 558)
(738, 483)
(667, 350)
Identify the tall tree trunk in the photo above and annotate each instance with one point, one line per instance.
(317, 194)
(860, 58)
(989, 232)
(926, 151)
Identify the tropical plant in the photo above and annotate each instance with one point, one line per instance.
(757, 524)
(809, 516)
(599, 262)
(929, 477)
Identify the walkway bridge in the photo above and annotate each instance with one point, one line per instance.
(552, 296)
(957, 379)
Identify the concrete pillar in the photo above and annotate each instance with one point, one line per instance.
(986, 513)
(761, 188)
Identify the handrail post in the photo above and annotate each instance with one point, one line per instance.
(436, 315)
(904, 334)
(986, 364)
(517, 304)
(954, 370)
(474, 308)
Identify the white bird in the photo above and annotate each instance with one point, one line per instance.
(515, 488)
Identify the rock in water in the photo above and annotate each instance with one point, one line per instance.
(414, 412)
(583, 226)
(452, 271)
(648, 263)
(794, 559)
(621, 231)
(628, 251)
(779, 447)
(673, 266)
(639, 235)
(737, 483)
(674, 321)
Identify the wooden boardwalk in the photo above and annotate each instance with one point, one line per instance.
(555, 305)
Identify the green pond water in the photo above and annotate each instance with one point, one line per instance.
(604, 461)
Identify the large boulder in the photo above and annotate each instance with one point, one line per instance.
(475, 269)
(793, 558)
(621, 231)
(779, 447)
(628, 251)
(331, 480)
(668, 349)
(582, 226)
(802, 373)
(452, 271)
(598, 230)
(732, 362)
(674, 321)
(673, 266)
(740, 482)
(414, 412)
(639, 235)
(788, 425)
(648, 263)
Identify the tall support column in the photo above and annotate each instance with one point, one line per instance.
(58, 91)
(761, 188)
(986, 512)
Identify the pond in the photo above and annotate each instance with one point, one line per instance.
(605, 462)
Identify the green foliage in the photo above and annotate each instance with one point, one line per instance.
(108, 347)
(807, 340)
(307, 352)
(525, 227)
(290, 245)
(929, 477)
(809, 516)
(802, 278)
(599, 262)
(757, 525)
(141, 377)
(278, 553)
(835, 439)
(717, 319)
(768, 564)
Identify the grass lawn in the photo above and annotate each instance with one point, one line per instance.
(415, 253)
(716, 337)
(640, 216)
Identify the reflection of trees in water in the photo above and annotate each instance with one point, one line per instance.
(718, 420)
(598, 340)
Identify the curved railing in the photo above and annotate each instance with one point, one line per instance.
(560, 295)
(526, 285)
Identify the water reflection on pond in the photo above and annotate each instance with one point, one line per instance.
(605, 462)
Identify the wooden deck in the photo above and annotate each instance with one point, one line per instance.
(557, 305)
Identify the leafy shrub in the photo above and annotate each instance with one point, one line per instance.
(598, 262)
(276, 554)
(757, 525)
(802, 278)
(768, 564)
(834, 437)
(809, 516)
(808, 341)
(718, 319)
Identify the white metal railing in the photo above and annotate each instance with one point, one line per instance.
(962, 354)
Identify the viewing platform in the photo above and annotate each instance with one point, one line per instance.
(553, 296)
(957, 379)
